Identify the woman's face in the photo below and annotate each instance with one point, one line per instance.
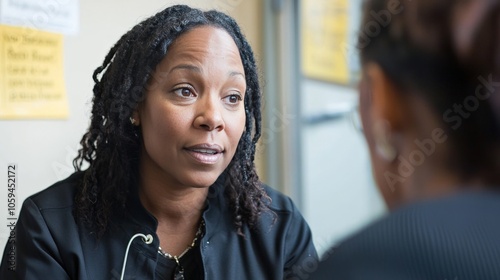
(193, 115)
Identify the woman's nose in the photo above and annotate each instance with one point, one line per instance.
(209, 114)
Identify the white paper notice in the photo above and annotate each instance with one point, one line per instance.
(59, 16)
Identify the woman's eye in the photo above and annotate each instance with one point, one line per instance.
(184, 92)
(233, 98)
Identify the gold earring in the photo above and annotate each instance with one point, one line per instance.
(383, 145)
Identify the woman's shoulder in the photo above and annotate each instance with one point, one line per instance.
(279, 201)
(59, 195)
(450, 213)
(441, 221)
(459, 230)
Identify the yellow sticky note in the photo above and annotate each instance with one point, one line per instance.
(325, 34)
(31, 74)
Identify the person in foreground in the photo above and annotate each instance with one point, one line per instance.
(171, 191)
(430, 108)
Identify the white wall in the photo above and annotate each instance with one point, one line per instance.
(44, 149)
(339, 195)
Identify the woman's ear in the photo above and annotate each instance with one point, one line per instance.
(387, 118)
(386, 100)
(135, 118)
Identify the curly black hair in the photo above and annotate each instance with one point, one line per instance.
(112, 146)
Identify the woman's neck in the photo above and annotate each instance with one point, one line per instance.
(430, 181)
(177, 208)
(174, 206)
(178, 212)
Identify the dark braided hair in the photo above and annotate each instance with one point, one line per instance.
(112, 145)
(425, 50)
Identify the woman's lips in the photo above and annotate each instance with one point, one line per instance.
(205, 153)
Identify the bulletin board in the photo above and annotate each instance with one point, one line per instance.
(31, 74)
(31, 57)
(326, 41)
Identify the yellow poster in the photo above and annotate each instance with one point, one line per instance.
(31, 74)
(325, 34)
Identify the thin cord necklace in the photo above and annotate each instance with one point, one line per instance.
(179, 270)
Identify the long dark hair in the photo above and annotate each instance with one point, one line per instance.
(112, 145)
(424, 49)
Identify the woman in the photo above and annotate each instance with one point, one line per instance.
(430, 108)
(170, 191)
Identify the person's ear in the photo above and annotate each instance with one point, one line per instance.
(388, 117)
(387, 101)
(135, 118)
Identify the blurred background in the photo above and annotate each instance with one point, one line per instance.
(312, 147)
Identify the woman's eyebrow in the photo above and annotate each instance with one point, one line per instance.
(236, 73)
(186, 67)
(196, 69)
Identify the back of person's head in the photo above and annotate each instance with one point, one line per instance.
(430, 91)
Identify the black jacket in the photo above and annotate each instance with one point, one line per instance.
(50, 244)
(451, 238)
